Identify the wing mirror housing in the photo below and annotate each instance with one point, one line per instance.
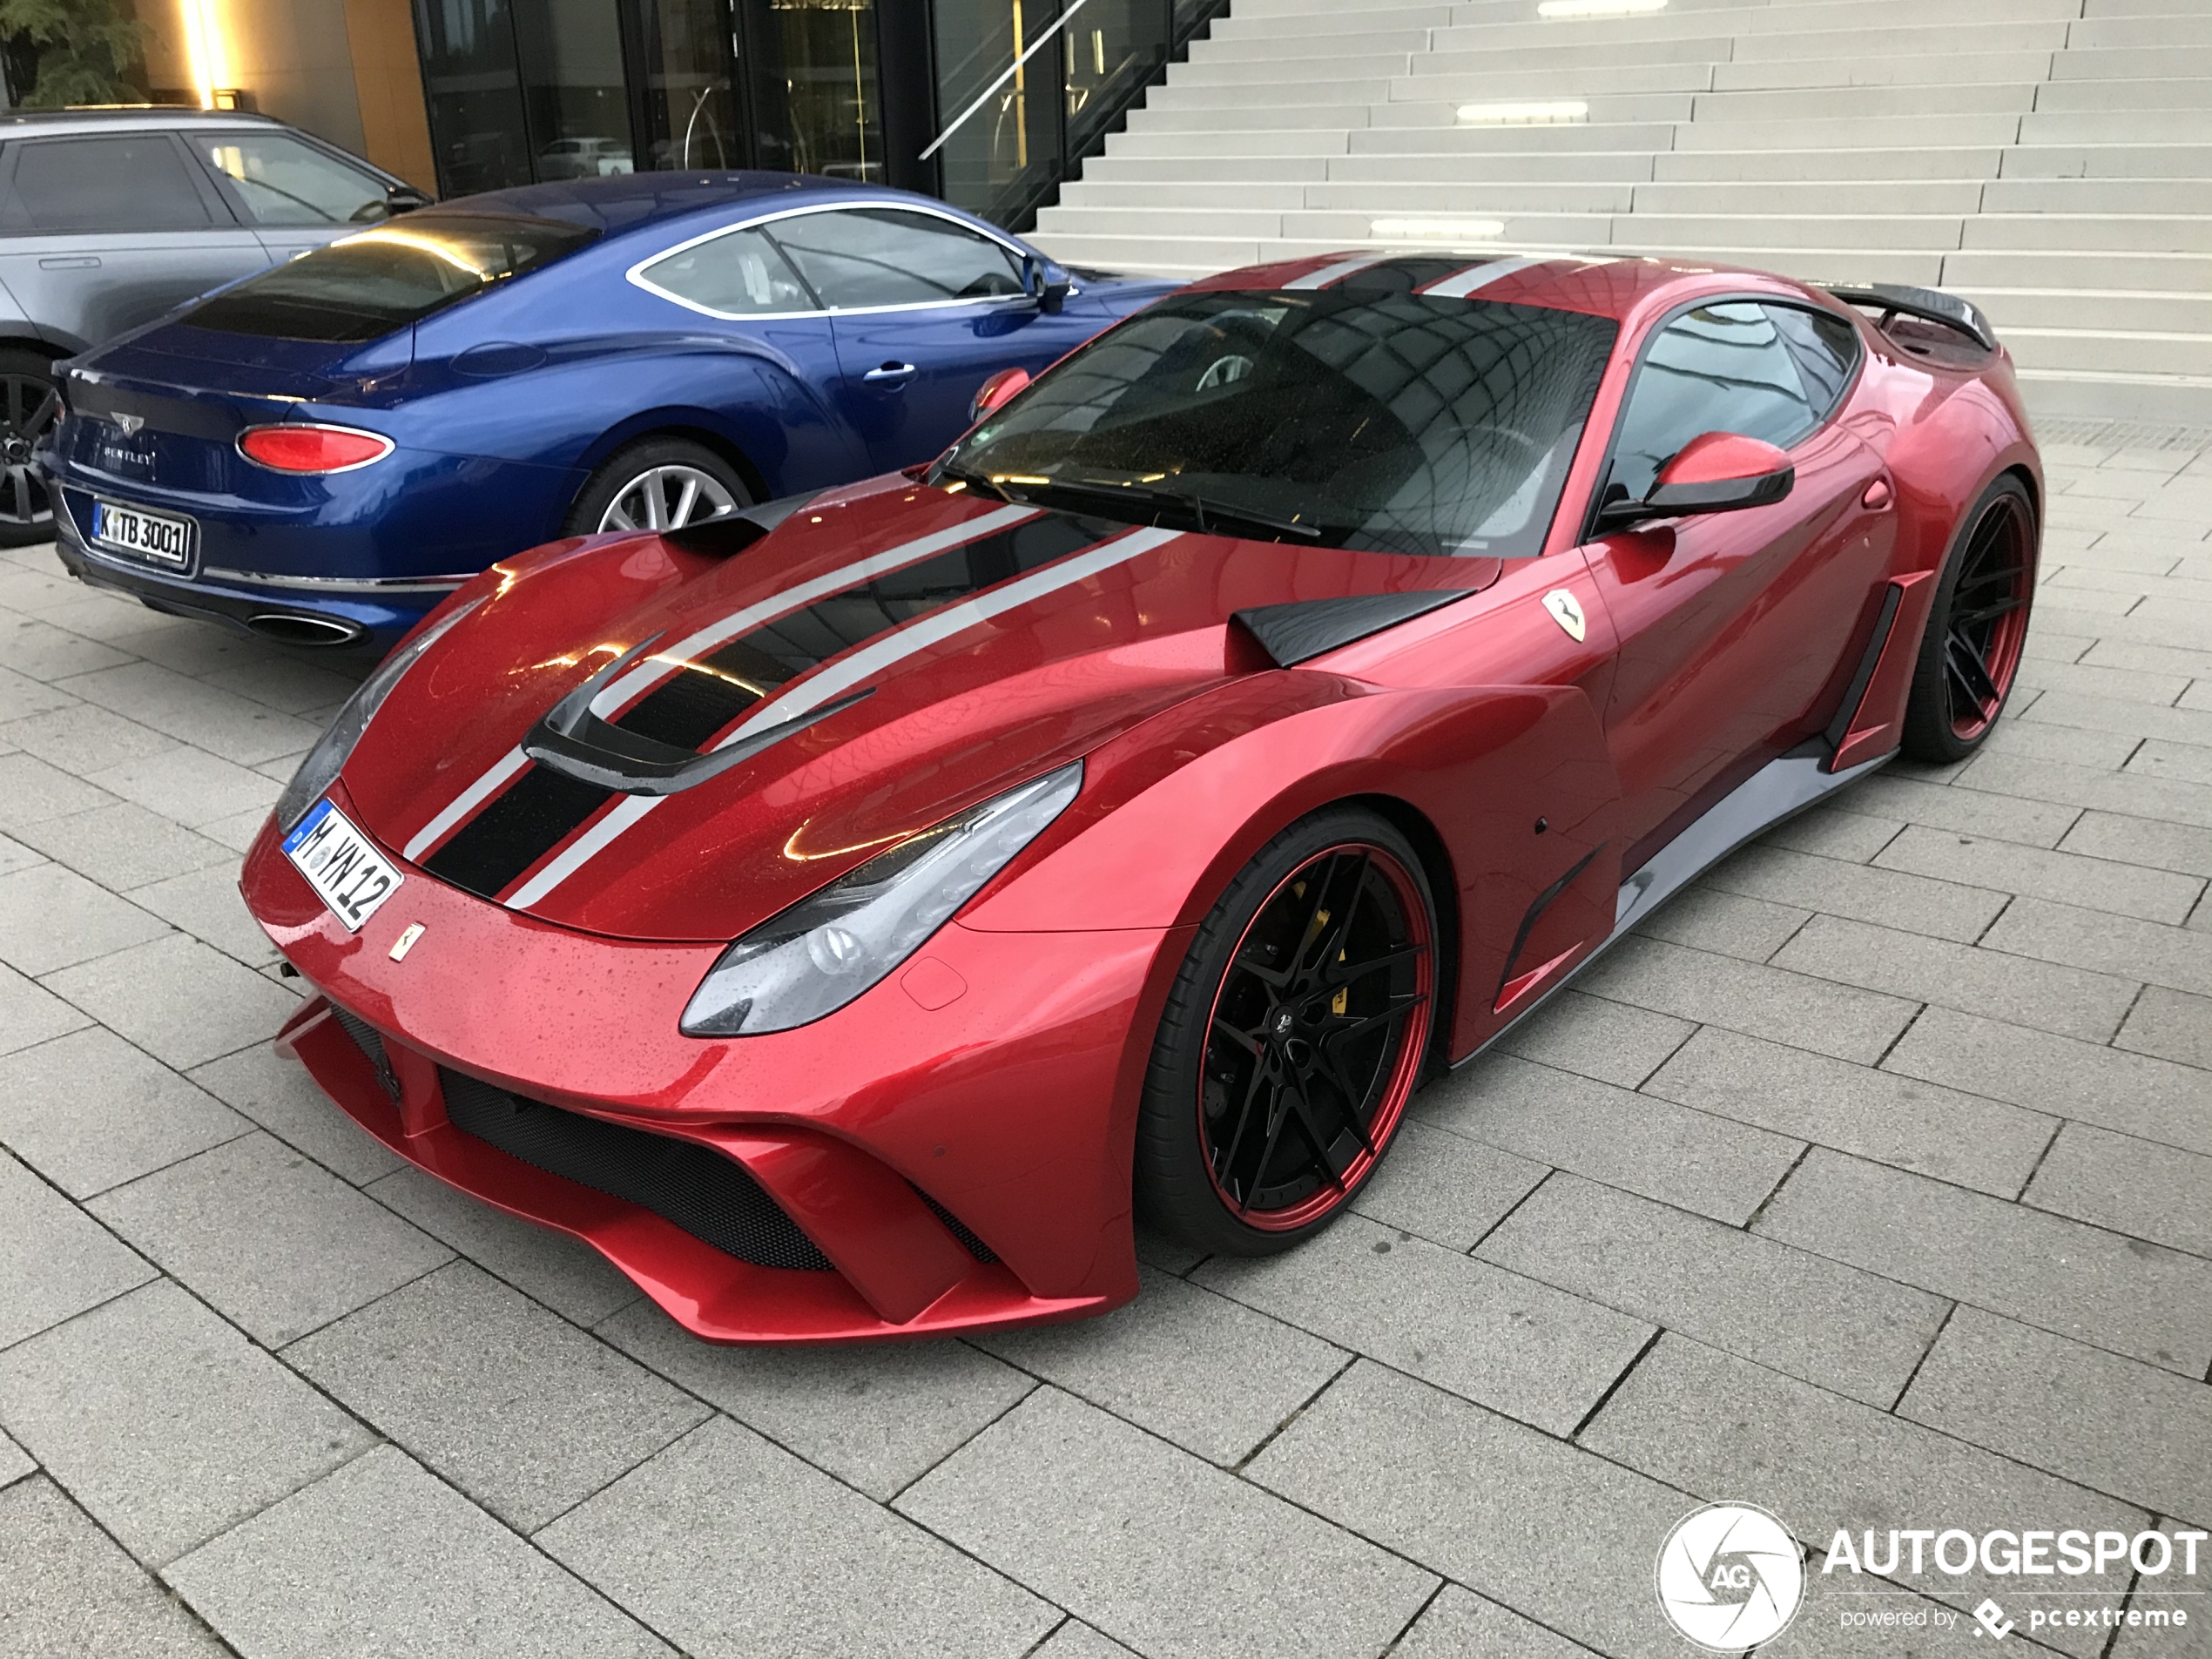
(1046, 283)
(405, 198)
(995, 392)
(1720, 472)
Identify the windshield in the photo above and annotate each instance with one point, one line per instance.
(364, 286)
(1381, 421)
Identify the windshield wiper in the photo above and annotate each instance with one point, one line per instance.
(1197, 506)
(973, 480)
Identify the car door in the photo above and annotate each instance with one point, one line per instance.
(100, 232)
(296, 195)
(1732, 625)
(925, 309)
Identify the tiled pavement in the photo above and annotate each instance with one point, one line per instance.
(1874, 1185)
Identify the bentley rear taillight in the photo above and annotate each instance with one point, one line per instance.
(311, 448)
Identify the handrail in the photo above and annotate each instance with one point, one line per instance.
(1007, 74)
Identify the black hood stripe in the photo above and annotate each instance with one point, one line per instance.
(541, 808)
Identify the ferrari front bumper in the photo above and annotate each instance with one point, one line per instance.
(949, 1151)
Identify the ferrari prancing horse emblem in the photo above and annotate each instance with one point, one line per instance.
(1565, 612)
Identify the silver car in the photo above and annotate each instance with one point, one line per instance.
(109, 218)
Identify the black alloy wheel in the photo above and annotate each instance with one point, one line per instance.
(28, 404)
(1294, 1037)
(1977, 627)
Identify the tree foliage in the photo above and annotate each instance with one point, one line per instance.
(83, 49)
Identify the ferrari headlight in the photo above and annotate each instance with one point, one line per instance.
(319, 770)
(817, 956)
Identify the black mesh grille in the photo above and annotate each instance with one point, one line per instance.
(708, 1195)
(366, 1038)
(975, 1247)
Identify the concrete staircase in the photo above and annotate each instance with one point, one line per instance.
(2052, 160)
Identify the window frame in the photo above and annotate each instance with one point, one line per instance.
(635, 274)
(1665, 321)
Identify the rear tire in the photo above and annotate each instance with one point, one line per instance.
(658, 484)
(1294, 1035)
(28, 406)
(1976, 627)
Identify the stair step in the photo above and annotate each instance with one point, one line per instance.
(2147, 234)
(2109, 161)
(1956, 197)
(2172, 196)
(1754, 166)
(2075, 308)
(2181, 95)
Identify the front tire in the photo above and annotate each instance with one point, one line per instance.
(1294, 1035)
(1977, 627)
(658, 484)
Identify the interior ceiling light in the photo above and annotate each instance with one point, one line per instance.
(1524, 114)
(1438, 230)
(1598, 8)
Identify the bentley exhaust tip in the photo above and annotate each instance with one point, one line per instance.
(291, 629)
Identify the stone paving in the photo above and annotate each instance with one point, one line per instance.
(1873, 1183)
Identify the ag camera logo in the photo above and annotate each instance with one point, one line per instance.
(1730, 1577)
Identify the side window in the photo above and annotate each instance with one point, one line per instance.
(738, 275)
(889, 256)
(284, 182)
(1825, 347)
(1719, 369)
(130, 182)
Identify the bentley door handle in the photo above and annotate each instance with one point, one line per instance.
(71, 262)
(891, 371)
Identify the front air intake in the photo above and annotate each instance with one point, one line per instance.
(709, 1196)
(368, 1040)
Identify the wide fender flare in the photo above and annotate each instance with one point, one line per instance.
(1512, 783)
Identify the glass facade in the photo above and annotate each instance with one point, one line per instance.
(987, 102)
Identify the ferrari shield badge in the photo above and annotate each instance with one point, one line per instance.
(1566, 611)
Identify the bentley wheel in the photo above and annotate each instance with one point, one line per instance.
(1295, 1034)
(1977, 627)
(28, 406)
(661, 484)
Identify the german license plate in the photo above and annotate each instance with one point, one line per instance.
(156, 538)
(341, 865)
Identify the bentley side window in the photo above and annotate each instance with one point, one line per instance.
(740, 274)
(1722, 367)
(861, 257)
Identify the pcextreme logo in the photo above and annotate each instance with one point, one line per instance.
(1730, 1577)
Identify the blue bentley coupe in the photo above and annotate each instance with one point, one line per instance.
(321, 451)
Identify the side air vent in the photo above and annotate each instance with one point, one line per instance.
(709, 1196)
(974, 1246)
(366, 1038)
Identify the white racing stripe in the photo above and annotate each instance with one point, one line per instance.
(1460, 284)
(1336, 272)
(841, 677)
(661, 664)
(465, 803)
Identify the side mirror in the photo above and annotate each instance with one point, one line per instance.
(995, 392)
(405, 198)
(1046, 283)
(1721, 472)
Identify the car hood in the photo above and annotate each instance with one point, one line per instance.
(986, 643)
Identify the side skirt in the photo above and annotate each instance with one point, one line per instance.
(1778, 792)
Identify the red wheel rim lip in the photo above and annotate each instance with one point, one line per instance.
(2008, 643)
(1406, 1069)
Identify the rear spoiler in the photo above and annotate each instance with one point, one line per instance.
(1930, 305)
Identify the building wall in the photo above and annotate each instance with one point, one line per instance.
(344, 70)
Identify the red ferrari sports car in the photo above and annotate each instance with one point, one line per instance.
(843, 914)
